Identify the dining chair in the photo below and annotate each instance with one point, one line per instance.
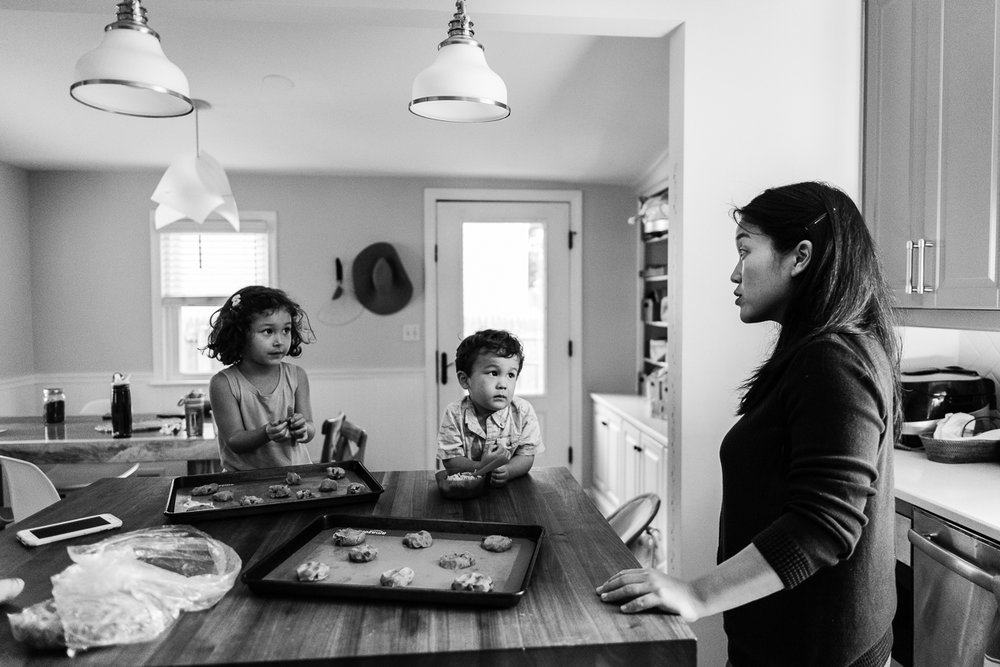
(634, 517)
(68, 477)
(343, 440)
(26, 489)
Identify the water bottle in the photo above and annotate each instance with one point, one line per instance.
(121, 406)
(194, 414)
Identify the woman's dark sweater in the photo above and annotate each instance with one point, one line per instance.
(807, 478)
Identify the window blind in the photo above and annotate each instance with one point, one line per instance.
(215, 264)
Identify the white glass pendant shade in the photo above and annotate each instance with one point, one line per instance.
(193, 187)
(129, 74)
(459, 86)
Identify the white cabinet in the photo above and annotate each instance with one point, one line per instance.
(631, 457)
(932, 116)
(608, 459)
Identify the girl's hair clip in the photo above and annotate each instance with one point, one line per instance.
(235, 301)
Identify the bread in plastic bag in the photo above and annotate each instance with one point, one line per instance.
(131, 587)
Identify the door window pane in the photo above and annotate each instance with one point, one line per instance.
(503, 287)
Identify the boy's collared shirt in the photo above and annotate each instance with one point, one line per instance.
(513, 430)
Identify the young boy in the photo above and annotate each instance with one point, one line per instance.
(490, 421)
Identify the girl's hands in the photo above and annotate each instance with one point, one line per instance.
(639, 590)
(296, 427)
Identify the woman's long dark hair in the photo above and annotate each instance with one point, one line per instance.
(842, 290)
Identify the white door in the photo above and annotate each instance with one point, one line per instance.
(506, 265)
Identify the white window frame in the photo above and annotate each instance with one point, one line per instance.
(165, 344)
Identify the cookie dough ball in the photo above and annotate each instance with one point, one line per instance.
(398, 578)
(304, 494)
(475, 582)
(348, 537)
(355, 488)
(293, 478)
(279, 491)
(312, 570)
(457, 561)
(364, 553)
(335, 472)
(251, 500)
(327, 485)
(205, 489)
(496, 543)
(223, 496)
(418, 540)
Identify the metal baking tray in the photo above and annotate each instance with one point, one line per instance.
(510, 570)
(256, 482)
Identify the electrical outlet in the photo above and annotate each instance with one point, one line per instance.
(411, 332)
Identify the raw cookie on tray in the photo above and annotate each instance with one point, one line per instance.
(475, 582)
(397, 578)
(419, 540)
(312, 570)
(348, 537)
(364, 553)
(457, 561)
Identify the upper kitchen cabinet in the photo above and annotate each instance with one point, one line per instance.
(931, 148)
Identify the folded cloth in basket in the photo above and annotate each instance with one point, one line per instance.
(959, 426)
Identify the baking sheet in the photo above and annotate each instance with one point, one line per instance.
(510, 570)
(182, 506)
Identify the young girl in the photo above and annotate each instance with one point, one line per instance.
(260, 403)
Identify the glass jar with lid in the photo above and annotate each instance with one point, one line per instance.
(53, 405)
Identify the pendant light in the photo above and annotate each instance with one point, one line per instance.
(128, 72)
(459, 86)
(194, 186)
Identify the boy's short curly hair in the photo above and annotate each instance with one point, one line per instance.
(231, 323)
(488, 341)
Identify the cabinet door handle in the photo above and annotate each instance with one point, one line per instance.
(444, 368)
(637, 448)
(909, 267)
(921, 246)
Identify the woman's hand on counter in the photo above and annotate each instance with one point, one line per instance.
(648, 588)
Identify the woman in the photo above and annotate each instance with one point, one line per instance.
(805, 572)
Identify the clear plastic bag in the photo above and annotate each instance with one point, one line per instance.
(131, 587)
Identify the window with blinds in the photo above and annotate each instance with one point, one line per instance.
(196, 268)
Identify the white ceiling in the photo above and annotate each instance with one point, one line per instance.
(587, 83)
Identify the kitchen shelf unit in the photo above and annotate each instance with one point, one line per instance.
(654, 280)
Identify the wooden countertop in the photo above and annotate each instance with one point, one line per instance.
(77, 440)
(560, 620)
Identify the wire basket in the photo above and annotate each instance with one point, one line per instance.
(965, 450)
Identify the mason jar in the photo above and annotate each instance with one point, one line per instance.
(53, 405)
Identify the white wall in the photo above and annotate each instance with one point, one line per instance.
(771, 95)
(16, 331)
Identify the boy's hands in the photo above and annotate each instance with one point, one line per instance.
(499, 476)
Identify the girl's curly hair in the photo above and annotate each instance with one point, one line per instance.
(231, 323)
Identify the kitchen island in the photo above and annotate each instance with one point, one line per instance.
(79, 440)
(559, 620)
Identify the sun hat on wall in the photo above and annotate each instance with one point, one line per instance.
(380, 281)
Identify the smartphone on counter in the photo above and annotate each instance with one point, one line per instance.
(64, 530)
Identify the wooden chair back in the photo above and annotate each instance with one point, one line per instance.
(343, 440)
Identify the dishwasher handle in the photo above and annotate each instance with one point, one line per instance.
(955, 563)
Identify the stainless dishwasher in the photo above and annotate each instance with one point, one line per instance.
(956, 586)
